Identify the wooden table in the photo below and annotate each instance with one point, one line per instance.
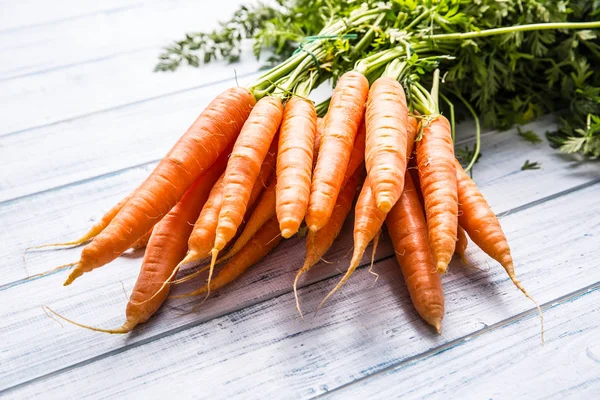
(83, 119)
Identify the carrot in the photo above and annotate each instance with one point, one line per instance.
(263, 212)
(294, 163)
(341, 124)
(203, 232)
(318, 243)
(357, 156)
(242, 171)
(94, 230)
(412, 130)
(437, 173)
(318, 133)
(408, 230)
(461, 244)
(265, 240)
(481, 224)
(386, 119)
(203, 235)
(368, 220)
(167, 245)
(244, 165)
(265, 177)
(196, 150)
(142, 242)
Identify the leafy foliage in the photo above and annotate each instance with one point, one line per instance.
(529, 136)
(530, 165)
(510, 78)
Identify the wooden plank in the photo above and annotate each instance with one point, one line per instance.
(498, 175)
(26, 14)
(95, 36)
(102, 143)
(85, 294)
(57, 216)
(265, 350)
(506, 361)
(63, 95)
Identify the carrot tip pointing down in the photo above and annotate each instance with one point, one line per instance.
(76, 273)
(287, 233)
(384, 205)
(298, 275)
(442, 267)
(125, 328)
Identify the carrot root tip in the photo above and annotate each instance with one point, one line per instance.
(298, 275)
(442, 267)
(287, 233)
(76, 273)
(125, 328)
(384, 205)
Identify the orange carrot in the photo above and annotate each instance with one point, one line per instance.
(142, 242)
(408, 231)
(461, 244)
(294, 163)
(318, 133)
(265, 177)
(196, 151)
(437, 173)
(94, 230)
(244, 165)
(167, 245)
(411, 134)
(263, 212)
(481, 224)
(203, 235)
(318, 243)
(203, 232)
(386, 119)
(357, 156)
(341, 124)
(265, 240)
(243, 169)
(368, 220)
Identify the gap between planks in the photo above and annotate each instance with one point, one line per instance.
(514, 210)
(71, 18)
(127, 105)
(526, 314)
(148, 163)
(392, 372)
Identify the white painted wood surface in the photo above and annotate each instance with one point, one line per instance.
(80, 129)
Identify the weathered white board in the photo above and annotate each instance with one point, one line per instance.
(504, 361)
(361, 331)
(104, 31)
(83, 122)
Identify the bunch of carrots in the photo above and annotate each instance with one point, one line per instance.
(258, 165)
(248, 173)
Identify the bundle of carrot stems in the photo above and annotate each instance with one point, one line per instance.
(259, 166)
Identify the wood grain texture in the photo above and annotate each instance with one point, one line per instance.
(507, 361)
(99, 144)
(83, 121)
(62, 95)
(264, 350)
(26, 14)
(127, 27)
(64, 213)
